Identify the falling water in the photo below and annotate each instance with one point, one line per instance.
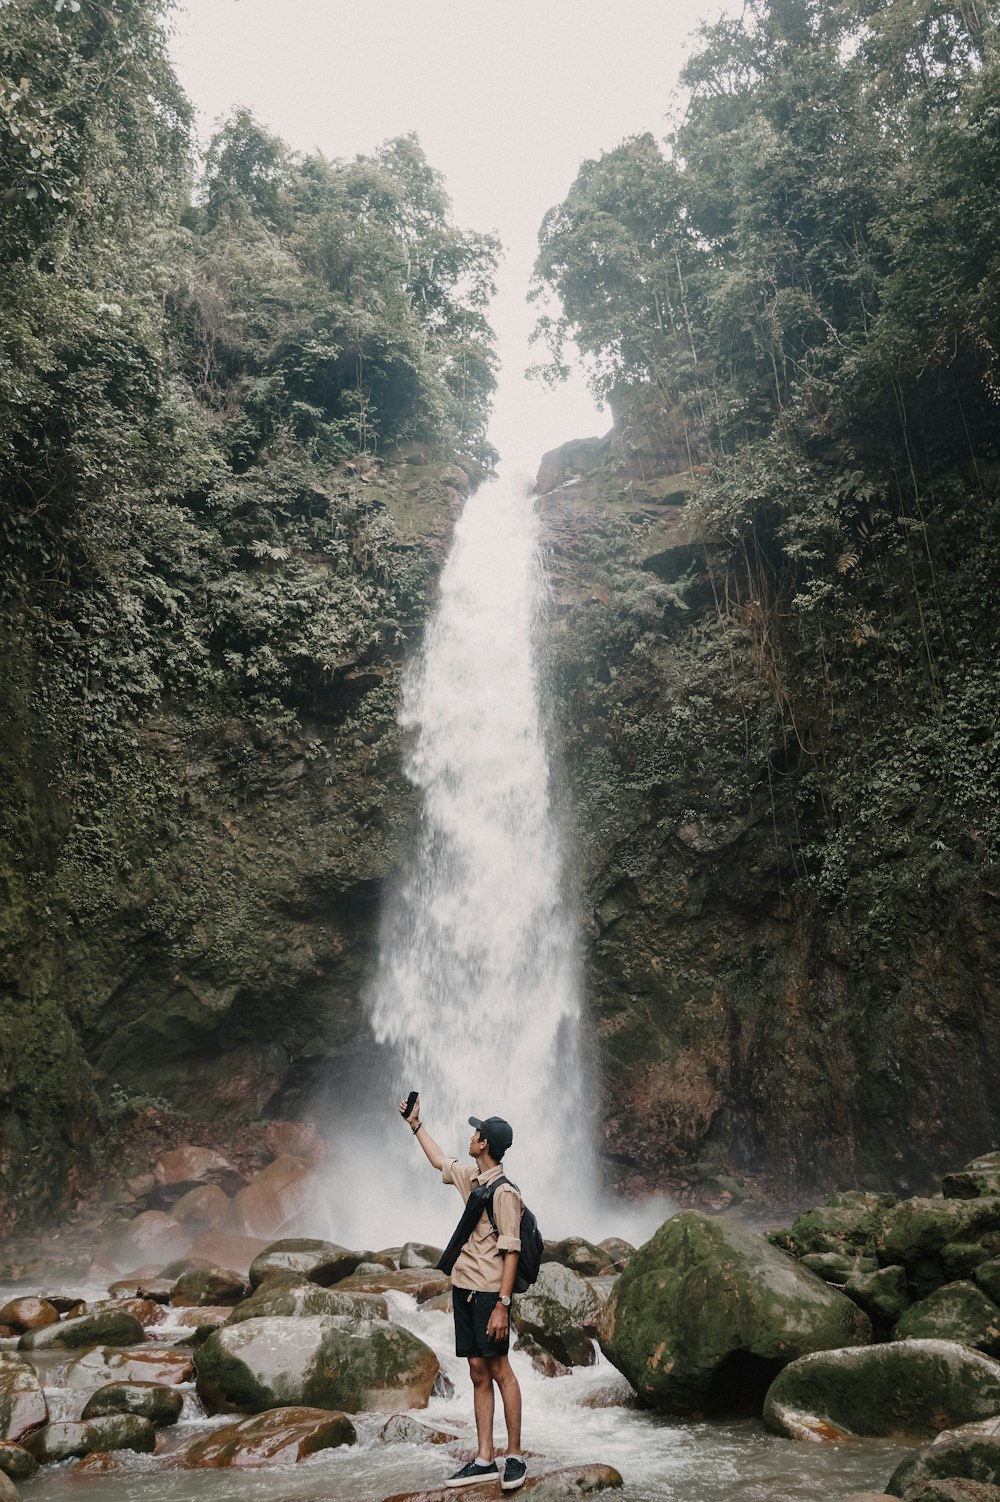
(476, 996)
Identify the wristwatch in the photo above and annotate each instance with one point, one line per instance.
(504, 1299)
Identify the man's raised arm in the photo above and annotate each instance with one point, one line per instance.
(432, 1152)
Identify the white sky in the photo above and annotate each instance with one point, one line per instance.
(507, 96)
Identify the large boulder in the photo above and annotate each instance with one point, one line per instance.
(847, 1224)
(22, 1401)
(981, 1176)
(916, 1232)
(909, 1388)
(290, 1297)
(958, 1311)
(420, 1283)
(707, 1313)
(276, 1202)
(64, 1439)
(28, 1314)
(559, 1313)
(280, 1435)
(320, 1361)
(322, 1262)
(203, 1208)
(104, 1364)
(883, 1295)
(109, 1327)
(971, 1451)
(150, 1400)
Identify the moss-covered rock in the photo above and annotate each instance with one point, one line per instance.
(910, 1389)
(150, 1400)
(64, 1440)
(322, 1262)
(16, 1462)
(955, 1489)
(320, 1361)
(971, 1451)
(883, 1295)
(837, 1228)
(112, 1327)
(209, 1286)
(707, 1313)
(987, 1275)
(916, 1232)
(958, 1311)
(981, 1176)
(558, 1314)
(290, 1297)
(22, 1401)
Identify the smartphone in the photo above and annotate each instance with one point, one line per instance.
(411, 1101)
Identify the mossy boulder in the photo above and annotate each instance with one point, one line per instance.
(279, 1436)
(838, 1227)
(955, 1489)
(110, 1327)
(322, 1262)
(558, 1313)
(908, 1388)
(64, 1439)
(22, 1401)
(319, 1361)
(980, 1177)
(291, 1297)
(883, 1294)
(150, 1400)
(16, 1462)
(971, 1451)
(958, 1311)
(837, 1267)
(707, 1313)
(916, 1232)
(987, 1275)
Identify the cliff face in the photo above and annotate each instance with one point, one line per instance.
(207, 946)
(753, 1020)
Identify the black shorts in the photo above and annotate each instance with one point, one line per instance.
(472, 1311)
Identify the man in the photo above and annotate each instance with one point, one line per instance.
(482, 1283)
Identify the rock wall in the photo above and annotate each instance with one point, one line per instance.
(751, 1031)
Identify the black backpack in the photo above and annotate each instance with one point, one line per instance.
(529, 1258)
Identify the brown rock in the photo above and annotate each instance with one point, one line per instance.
(8, 1491)
(208, 1285)
(554, 1486)
(105, 1364)
(404, 1429)
(97, 1463)
(201, 1317)
(296, 1139)
(147, 1311)
(194, 1165)
(16, 1462)
(227, 1250)
(281, 1435)
(277, 1202)
(142, 1185)
(28, 1314)
(203, 1208)
(22, 1402)
(144, 1283)
(420, 1283)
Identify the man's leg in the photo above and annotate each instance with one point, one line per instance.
(483, 1402)
(501, 1372)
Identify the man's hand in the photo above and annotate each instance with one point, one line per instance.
(413, 1120)
(498, 1324)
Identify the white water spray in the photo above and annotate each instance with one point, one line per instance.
(476, 996)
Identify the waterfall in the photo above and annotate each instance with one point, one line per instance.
(476, 1000)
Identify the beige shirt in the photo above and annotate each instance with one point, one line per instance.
(480, 1262)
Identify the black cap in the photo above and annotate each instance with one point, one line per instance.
(498, 1133)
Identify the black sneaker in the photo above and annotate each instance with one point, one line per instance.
(514, 1472)
(474, 1472)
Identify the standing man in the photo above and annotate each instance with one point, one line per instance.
(484, 1265)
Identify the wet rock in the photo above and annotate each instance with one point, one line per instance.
(287, 1296)
(295, 1139)
(987, 1275)
(971, 1451)
(883, 1295)
(418, 1283)
(148, 1312)
(228, 1250)
(553, 1486)
(150, 1400)
(841, 1226)
(200, 1322)
(8, 1491)
(110, 1327)
(542, 1361)
(557, 1312)
(322, 1262)
(419, 1254)
(955, 1489)
(707, 1313)
(22, 1401)
(916, 1231)
(96, 1368)
(321, 1361)
(580, 1255)
(908, 1388)
(97, 1463)
(620, 1252)
(145, 1283)
(276, 1202)
(195, 1165)
(835, 1267)
(27, 1314)
(16, 1462)
(209, 1285)
(404, 1429)
(281, 1435)
(959, 1259)
(958, 1311)
(203, 1208)
(981, 1176)
(152, 1237)
(65, 1440)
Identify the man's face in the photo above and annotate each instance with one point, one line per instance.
(477, 1145)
